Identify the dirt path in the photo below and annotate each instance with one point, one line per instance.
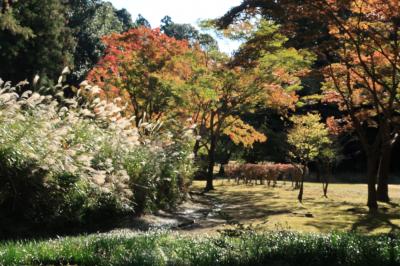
(200, 213)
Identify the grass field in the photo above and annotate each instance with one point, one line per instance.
(277, 207)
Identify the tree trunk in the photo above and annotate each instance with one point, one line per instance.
(196, 148)
(224, 162)
(221, 171)
(300, 196)
(301, 191)
(325, 189)
(211, 163)
(372, 160)
(383, 174)
(211, 155)
(325, 182)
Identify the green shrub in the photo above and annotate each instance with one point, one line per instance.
(71, 161)
(160, 176)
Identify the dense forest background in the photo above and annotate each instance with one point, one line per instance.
(42, 37)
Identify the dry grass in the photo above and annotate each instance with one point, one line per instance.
(277, 207)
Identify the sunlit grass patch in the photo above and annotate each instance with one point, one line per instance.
(277, 207)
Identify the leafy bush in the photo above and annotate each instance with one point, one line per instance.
(65, 161)
(245, 248)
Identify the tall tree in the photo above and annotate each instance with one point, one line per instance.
(140, 65)
(221, 93)
(178, 31)
(90, 20)
(141, 22)
(126, 18)
(9, 22)
(365, 80)
(38, 43)
(187, 32)
(216, 96)
(309, 139)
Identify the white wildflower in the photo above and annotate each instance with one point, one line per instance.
(84, 83)
(66, 71)
(95, 90)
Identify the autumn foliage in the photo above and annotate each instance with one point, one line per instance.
(364, 80)
(138, 66)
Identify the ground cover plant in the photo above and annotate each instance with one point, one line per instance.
(242, 246)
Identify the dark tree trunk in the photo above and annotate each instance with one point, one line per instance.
(211, 155)
(372, 160)
(301, 191)
(211, 163)
(224, 162)
(196, 148)
(325, 183)
(221, 171)
(325, 189)
(383, 174)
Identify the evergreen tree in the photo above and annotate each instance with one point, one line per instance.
(38, 43)
(90, 21)
(126, 18)
(178, 31)
(187, 32)
(8, 22)
(141, 22)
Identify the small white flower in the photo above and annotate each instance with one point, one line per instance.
(66, 71)
(95, 90)
(84, 83)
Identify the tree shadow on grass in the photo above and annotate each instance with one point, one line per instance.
(332, 218)
(244, 205)
(339, 213)
(364, 221)
(370, 222)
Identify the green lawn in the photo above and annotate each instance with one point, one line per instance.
(277, 207)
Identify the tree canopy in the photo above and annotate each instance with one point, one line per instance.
(36, 40)
(90, 20)
(139, 66)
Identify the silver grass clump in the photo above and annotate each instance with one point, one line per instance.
(92, 140)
